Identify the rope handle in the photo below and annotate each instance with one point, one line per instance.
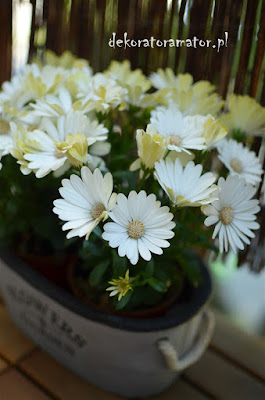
(170, 355)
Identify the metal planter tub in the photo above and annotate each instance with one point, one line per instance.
(128, 356)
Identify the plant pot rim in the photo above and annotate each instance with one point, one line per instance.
(176, 315)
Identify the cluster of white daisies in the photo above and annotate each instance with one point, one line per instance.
(49, 123)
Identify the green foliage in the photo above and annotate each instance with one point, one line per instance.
(27, 222)
(97, 273)
(238, 135)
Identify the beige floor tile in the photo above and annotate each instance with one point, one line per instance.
(62, 383)
(13, 343)
(224, 380)
(14, 386)
(179, 391)
(244, 349)
(3, 365)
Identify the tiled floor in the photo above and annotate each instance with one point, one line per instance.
(232, 368)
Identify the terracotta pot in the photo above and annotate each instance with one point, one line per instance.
(133, 357)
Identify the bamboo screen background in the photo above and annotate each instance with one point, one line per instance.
(85, 27)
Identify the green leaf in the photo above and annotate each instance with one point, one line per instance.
(149, 270)
(97, 273)
(120, 264)
(98, 232)
(191, 268)
(157, 285)
(123, 301)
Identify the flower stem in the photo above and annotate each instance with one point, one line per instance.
(141, 183)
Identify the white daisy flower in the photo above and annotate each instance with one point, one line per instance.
(86, 201)
(240, 161)
(245, 115)
(10, 90)
(53, 106)
(233, 214)
(6, 140)
(22, 144)
(135, 81)
(182, 132)
(186, 186)
(165, 78)
(66, 60)
(191, 98)
(53, 142)
(122, 72)
(6, 144)
(141, 226)
(101, 93)
(94, 162)
(31, 84)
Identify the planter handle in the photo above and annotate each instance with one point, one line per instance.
(170, 355)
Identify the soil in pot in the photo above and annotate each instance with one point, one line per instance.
(51, 267)
(79, 285)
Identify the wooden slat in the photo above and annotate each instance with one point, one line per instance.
(3, 365)
(159, 21)
(259, 56)
(13, 344)
(6, 39)
(217, 29)
(101, 49)
(198, 23)
(59, 381)
(239, 347)
(85, 23)
(180, 29)
(88, 36)
(232, 26)
(14, 386)
(249, 27)
(74, 26)
(223, 380)
(55, 37)
(182, 391)
(124, 10)
(32, 31)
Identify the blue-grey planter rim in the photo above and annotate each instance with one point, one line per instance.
(176, 315)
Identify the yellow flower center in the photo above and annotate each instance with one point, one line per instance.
(59, 153)
(123, 286)
(236, 164)
(32, 128)
(4, 126)
(97, 210)
(227, 215)
(136, 229)
(175, 140)
(74, 147)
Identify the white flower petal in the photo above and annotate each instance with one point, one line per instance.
(185, 185)
(233, 214)
(140, 224)
(239, 160)
(80, 198)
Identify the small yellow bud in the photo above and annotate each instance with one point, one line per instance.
(151, 148)
(213, 130)
(75, 148)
